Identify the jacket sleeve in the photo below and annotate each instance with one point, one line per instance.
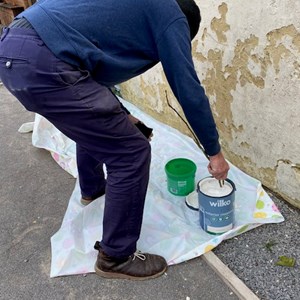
(174, 50)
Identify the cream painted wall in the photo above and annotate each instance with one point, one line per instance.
(247, 55)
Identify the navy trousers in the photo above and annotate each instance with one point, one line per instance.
(91, 115)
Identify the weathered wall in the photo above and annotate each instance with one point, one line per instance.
(247, 55)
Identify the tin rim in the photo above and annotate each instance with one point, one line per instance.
(210, 177)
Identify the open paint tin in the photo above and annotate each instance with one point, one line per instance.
(216, 205)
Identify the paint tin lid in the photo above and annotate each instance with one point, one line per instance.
(191, 201)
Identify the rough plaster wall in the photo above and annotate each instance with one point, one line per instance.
(247, 55)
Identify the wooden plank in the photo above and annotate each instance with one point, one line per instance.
(231, 280)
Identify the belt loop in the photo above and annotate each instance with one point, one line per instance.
(4, 33)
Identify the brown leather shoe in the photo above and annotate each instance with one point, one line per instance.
(138, 266)
(87, 200)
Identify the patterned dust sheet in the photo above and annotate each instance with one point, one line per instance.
(170, 228)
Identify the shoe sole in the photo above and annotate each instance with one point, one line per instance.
(85, 202)
(88, 201)
(113, 275)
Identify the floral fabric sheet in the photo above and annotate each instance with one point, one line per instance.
(170, 228)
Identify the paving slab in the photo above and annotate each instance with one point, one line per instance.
(34, 194)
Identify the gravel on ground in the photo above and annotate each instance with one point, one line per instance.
(253, 255)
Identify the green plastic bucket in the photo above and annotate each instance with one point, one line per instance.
(180, 176)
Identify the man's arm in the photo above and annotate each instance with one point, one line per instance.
(174, 50)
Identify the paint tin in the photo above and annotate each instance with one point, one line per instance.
(216, 205)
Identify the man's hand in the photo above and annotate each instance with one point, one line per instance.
(218, 167)
(147, 132)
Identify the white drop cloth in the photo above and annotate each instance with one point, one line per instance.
(169, 228)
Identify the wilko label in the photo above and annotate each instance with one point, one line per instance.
(216, 205)
(220, 203)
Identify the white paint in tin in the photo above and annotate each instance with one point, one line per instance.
(211, 187)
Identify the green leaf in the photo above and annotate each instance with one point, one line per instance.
(285, 261)
(270, 244)
(244, 228)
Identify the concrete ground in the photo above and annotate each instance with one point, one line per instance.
(34, 194)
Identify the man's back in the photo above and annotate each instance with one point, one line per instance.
(114, 35)
(118, 40)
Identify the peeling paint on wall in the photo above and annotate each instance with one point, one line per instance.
(276, 49)
(220, 80)
(219, 25)
(251, 73)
